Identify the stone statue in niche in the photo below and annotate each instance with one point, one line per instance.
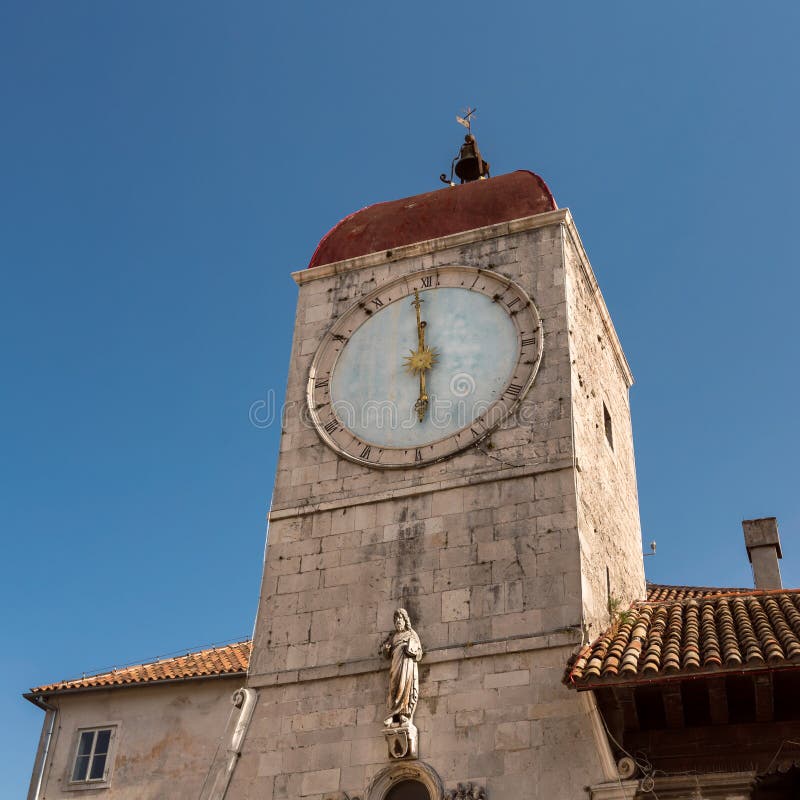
(405, 650)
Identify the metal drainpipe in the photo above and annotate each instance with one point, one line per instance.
(245, 701)
(53, 710)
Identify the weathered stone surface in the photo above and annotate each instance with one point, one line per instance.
(503, 547)
(319, 781)
(165, 740)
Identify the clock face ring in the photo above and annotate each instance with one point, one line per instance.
(424, 366)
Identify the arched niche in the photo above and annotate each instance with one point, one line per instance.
(408, 790)
(406, 781)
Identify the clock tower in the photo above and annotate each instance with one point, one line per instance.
(455, 509)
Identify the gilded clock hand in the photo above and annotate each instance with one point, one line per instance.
(420, 360)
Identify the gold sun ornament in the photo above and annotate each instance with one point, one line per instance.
(420, 360)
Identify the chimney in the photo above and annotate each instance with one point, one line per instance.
(763, 549)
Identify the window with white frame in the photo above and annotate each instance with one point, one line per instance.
(92, 755)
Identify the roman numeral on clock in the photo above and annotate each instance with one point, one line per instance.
(418, 455)
(378, 302)
(366, 451)
(321, 384)
(337, 337)
(513, 390)
(332, 426)
(427, 281)
(529, 341)
(512, 303)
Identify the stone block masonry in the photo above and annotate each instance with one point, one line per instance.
(493, 720)
(499, 553)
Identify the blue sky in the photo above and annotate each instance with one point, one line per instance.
(165, 165)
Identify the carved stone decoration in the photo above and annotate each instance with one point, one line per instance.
(466, 791)
(404, 649)
(402, 742)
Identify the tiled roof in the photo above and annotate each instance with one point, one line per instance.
(727, 631)
(660, 591)
(231, 659)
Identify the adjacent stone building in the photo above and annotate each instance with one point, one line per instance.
(148, 732)
(456, 493)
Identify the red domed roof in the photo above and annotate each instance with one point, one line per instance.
(385, 226)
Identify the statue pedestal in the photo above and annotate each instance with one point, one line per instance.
(402, 741)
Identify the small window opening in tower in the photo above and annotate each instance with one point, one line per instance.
(608, 427)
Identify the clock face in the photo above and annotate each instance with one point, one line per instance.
(427, 365)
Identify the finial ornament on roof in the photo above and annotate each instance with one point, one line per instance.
(466, 120)
(468, 165)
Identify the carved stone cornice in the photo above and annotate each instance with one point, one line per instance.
(700, 786)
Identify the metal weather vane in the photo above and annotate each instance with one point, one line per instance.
(466, 120)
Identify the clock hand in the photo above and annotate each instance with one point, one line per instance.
(421, 405)
(420, 360)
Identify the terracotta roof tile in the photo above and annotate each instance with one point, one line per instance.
(231, 659)
(683, 630)
(659, 591)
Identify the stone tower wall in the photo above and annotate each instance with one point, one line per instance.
(612, 569)
(502, 720)
(476, 547)
(482, 549)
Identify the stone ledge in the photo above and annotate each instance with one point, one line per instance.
(521, 644)
(474, 479)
